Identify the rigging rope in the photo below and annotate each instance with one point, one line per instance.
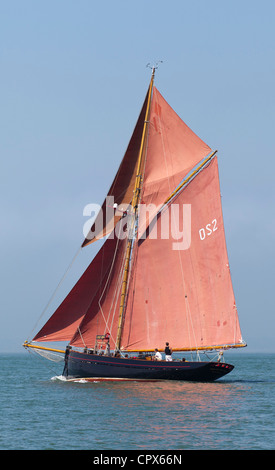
(81, 337)
(113, 307)
(55, 291)
(106, 321)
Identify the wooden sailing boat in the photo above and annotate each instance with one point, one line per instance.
(162, 274)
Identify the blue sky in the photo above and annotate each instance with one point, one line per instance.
(73, 79)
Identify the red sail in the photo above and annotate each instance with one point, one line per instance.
(66, 319)
(102, 314)
(181, 290)
(121, 190)
(173, 150)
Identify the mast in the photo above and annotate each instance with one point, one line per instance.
(134, 213)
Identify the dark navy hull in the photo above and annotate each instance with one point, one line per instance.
(87, 366)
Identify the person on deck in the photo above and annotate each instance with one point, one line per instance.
(157, 356)
(168, 352)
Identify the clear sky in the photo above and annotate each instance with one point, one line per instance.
(72, 82)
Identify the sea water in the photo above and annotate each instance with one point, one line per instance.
(40, 410)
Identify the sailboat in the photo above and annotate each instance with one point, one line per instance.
(161, 281)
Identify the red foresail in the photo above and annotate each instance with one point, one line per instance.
(66, 319)
(181, 289)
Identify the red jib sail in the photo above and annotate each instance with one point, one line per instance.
(65, 321)
(102, 315)
(181, 289)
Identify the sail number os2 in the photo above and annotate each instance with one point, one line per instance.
(208, 229)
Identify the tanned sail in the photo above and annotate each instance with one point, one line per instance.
(163, 272)
(87, 298)
(185, 293)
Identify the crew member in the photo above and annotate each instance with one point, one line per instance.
(168, 352)
(157, 356)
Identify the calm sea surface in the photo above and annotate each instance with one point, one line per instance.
(40, 411)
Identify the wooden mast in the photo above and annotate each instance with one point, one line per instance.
(133, 214)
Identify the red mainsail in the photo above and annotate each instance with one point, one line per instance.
(181, 290)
